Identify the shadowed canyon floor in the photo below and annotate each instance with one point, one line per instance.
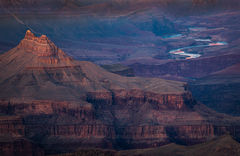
(220, 90)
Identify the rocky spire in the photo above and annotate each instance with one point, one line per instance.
(29, 35)
(42, 47)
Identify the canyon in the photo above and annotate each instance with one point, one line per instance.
(73, 91)
(57, 104)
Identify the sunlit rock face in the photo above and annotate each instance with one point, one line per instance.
(43, 48)
(40, 46)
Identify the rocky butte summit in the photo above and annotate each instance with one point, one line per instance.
(52, 103)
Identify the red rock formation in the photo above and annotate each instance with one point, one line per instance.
(41, 46)
(38, 107)
(136, 98)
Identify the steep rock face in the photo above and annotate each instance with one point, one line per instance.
(82, 121)
(10, 146)
(12, 125)
(191, 134)
(12, 140)
(141, 136)
(38, 107)
(83, 131)
(136, 98)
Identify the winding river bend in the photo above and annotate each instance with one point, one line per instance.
(181, 51)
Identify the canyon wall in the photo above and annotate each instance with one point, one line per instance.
(187, 68)
(10, 146)
(109, 120)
